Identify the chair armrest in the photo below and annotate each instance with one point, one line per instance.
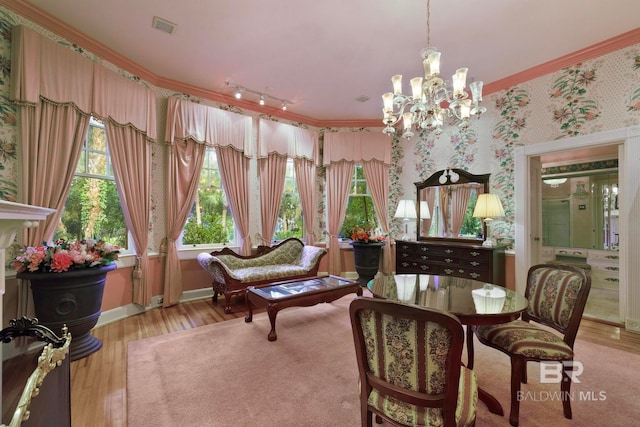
(215, 266)
(311, 256)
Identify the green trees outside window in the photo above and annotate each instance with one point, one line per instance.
(360, 211)
(289, 223)
(92, 209)
(210, 221)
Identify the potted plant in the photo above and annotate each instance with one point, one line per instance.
(367, 245)
(67, 283)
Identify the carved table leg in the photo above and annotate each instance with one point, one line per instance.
(249, 317)
(272, 310)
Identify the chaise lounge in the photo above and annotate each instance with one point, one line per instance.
(233, 273)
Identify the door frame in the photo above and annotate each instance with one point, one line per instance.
(527, 216)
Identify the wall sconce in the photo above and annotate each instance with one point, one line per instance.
(406, 210)
(554, 182)
(488, 207)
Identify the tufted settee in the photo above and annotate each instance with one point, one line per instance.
(233, 273)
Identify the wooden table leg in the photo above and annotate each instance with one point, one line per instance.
(249, 317)
(272, 310)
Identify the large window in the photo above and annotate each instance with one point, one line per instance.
(92, 210)
(289, 223)
(360, 211)
(210, 221)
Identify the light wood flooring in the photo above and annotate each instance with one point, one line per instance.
(99, 381)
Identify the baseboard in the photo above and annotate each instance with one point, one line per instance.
(129, 310)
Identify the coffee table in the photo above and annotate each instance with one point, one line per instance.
(297, 293)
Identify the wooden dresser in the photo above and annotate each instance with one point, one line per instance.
(460, 259)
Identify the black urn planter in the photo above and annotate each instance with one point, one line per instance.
(72, 298)
(367, 260)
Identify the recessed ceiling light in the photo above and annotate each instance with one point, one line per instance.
(362, 98)
(163, 25)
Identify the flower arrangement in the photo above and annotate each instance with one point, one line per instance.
(65, 256)
(362, 235)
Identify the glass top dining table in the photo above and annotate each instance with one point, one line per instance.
(472, 301)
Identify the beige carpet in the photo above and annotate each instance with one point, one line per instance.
(228, 374)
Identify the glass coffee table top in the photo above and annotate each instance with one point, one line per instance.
(284, 290)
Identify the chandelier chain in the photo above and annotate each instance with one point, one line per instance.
(428, 24)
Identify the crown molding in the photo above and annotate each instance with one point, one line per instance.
(599, 49)
(41, 18)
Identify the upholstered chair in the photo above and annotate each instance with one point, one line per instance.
(557, 295)
(409, 361)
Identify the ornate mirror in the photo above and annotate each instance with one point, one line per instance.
(449, 197)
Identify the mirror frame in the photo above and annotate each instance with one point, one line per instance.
(464, 177)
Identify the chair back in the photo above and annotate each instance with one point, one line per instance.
(557, 296)
(409, 360)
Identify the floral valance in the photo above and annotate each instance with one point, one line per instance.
(357, 147)
(207, 125)
(287, 140)
(42, 68)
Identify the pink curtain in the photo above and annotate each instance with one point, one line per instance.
(306, 180)
(234, 173)
(272, 173)
(377, 176)
(429, 195)
(459, 198)
(51, 137)
(131, 159)
(341, 151)
(445, 209)
(183, 175)
(339, 176)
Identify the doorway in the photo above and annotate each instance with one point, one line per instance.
(528, 235)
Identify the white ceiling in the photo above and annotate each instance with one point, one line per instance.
(322, 55)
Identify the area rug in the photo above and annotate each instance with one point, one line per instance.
(228, 374)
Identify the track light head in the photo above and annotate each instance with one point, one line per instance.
(284, 106)
(261, 99)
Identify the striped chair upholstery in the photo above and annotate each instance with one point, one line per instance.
(557, 296)
(409, 359)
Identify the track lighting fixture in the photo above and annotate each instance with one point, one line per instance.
(263, 97)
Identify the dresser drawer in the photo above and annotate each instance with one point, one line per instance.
(466, 273)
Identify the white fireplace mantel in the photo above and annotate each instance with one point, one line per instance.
(15, 217)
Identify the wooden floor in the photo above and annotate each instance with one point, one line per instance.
(99, 382)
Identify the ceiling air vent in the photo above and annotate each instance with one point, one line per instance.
(362, 98)
(163, 25)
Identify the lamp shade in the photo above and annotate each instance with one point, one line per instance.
(488, 206)
(424, 210)
(406, 209)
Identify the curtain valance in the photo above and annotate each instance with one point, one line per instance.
(287, 140)
(42, 68)
(357, 147)
(207, 125)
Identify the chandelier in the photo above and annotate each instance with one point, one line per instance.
(431, 104)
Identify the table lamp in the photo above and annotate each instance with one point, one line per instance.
(488, 207)
(406, 210)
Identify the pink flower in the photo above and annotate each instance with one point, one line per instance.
(62, 261)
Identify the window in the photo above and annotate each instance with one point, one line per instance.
(93, 209)
(210, 221)
(360, 211)
(289, 223)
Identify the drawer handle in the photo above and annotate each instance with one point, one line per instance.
(423, 249)
(424, 267)
(474, 263)
(474, 275)
(612, 257)
(424, 257)
(405, 264)
(449, 251)
(612, 268)
(404, 247)
(474, 253)
(612, 279)
(403, 254)
(448, 271)
(449, 260)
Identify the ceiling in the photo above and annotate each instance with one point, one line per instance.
(324, 55)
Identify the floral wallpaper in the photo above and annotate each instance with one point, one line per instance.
(8, 133)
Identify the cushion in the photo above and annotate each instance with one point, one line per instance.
(411, 415)
(526, 339)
